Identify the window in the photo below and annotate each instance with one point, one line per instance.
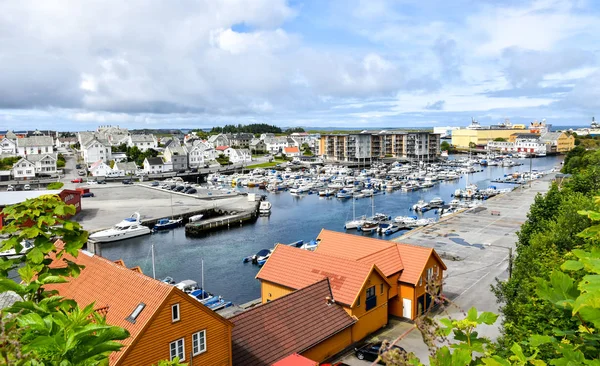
(175, 312)
(371, 301)
(420, 280)
(429, 274)
(358, 302)
(381, 286)
(178, 349)
(199, 342)
(136, 312)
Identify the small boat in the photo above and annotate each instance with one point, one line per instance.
(168, 280)
(26, 245)
(195, 218)
(261, 256)
(383, 226)
(392, 229)
(436, 202)
(405, 220)
(200, 294)
(354, 224)
(167, 224)
(128, 228)
(420, 206)
(368, 226)
(311, 245)
(187, 285)
(265, 208)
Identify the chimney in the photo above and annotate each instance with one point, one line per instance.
(329, 301)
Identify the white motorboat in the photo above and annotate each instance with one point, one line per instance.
(128, 228)
(265, 208)
(354, 224)
(195, 218)
(419, 206)
(12, 253)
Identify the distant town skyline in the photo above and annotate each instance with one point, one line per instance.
(74, 65)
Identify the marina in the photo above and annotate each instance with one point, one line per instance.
(293, 218)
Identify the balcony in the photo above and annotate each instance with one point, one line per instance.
(371, 303)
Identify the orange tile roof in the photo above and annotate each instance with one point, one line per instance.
(117, 291)
(291, 150)
(415, 258)
(295, 360)
(388, 256)
(297, 268)
(366, 250)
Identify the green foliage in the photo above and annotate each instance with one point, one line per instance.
(137, 156)
(500, 139)
(60, 161)
(7, 163)
(43, 328)
(294, 130)
(174, 362)
(257, 128)
(472, 145)
(223, 159)
(445, 146)
(55, 185)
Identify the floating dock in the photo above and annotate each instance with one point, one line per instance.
(221, 222)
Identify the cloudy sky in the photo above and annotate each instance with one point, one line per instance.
(320, 63)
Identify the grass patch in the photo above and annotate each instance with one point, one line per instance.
(55, 185)
(266, 165)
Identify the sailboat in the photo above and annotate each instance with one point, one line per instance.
(372, 223)
(168, 224)
(356, 222)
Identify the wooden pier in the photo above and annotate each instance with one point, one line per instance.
(222, 222)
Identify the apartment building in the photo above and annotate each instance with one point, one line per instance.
(364, 145)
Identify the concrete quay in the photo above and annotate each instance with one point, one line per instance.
(114, 202)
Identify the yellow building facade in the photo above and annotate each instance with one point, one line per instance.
(462, 138)
(370, 307)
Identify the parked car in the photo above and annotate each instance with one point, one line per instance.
(154, 184)
(27, 187)
(92, 182)
(194, 170)
(371, 351)
(10, 188)
(87, 194)
(101, 182)
(81, 172)
(179, 188)
(78, 166)
(127, 181)
(191, 191)
(77, 180)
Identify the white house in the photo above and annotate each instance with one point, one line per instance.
(101, 169)
(275, 145)
(35, 145)
(143, 142)
(238, 155)
(153, 165)
(293, 151)
(23, 169)
(218, 140)
(125, 168)
(96, 149)
(9, 146)
(64, 142)
(196, 155)
(45, 164)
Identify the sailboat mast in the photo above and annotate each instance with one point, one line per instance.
(153, 267)
(203, 290)
(172, 215)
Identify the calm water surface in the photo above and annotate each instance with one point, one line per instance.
(292, 219)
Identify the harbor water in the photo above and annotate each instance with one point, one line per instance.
(292, 219)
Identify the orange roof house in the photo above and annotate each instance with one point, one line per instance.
(162, 320)
(308, 322)
(293, 150)
(407, 267)
(361, 288)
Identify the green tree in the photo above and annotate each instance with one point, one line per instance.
(42, 328)
(445, 146)
(500, 139)
(60, 161)
(472, 145)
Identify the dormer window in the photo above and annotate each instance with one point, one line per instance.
(175, 316)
